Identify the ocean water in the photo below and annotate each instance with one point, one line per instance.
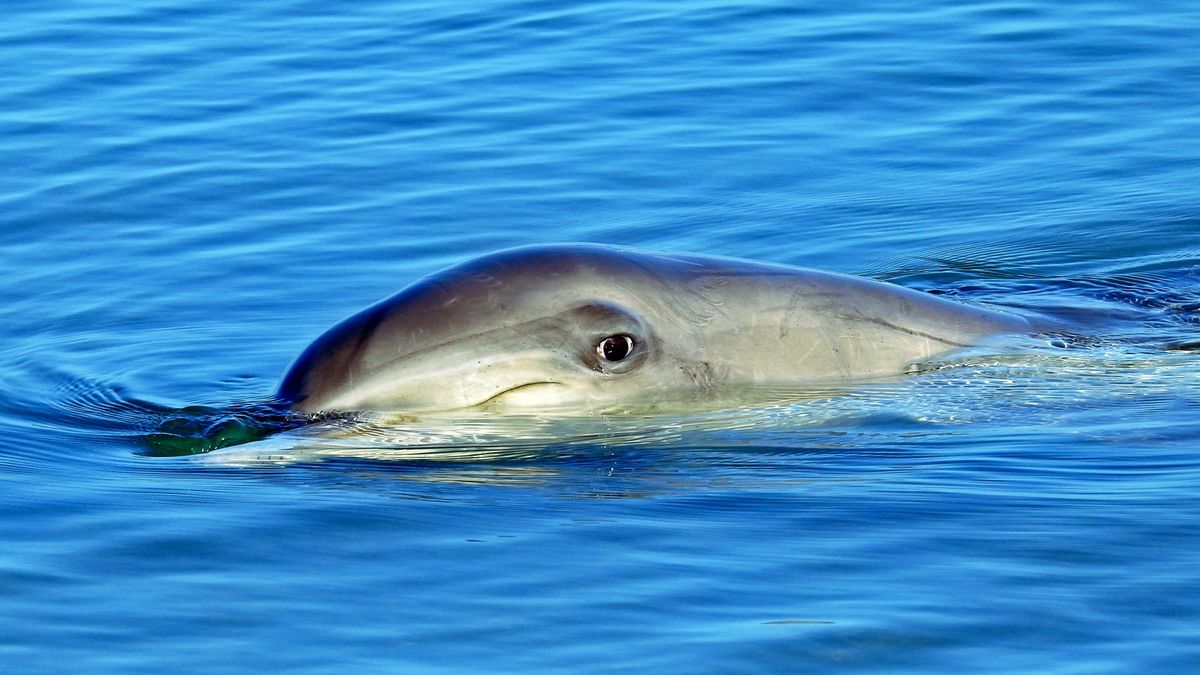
(191, 191)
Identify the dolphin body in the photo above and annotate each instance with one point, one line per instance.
(593, 326)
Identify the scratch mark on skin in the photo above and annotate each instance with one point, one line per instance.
(785, 326)
(706, 302)
(812, 347)
(910, 331)
(836, 350)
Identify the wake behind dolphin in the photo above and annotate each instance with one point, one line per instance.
(590, 326)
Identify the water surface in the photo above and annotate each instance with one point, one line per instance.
(192, 191)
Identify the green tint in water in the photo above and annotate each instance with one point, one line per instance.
(198, 429)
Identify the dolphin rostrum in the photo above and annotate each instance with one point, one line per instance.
(592, 325)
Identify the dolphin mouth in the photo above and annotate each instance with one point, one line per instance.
(525, 387)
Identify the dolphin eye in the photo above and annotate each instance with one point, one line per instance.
(615, 348)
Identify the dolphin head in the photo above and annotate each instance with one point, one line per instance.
(538, 326)
(608, 328)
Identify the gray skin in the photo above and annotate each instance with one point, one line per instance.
(525, 328)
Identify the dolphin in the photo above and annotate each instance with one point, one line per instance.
(588, 325)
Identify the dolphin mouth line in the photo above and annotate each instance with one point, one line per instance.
(510, 390)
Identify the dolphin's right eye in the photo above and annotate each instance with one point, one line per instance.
(615, 348)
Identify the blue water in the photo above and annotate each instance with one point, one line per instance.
(191, 191)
